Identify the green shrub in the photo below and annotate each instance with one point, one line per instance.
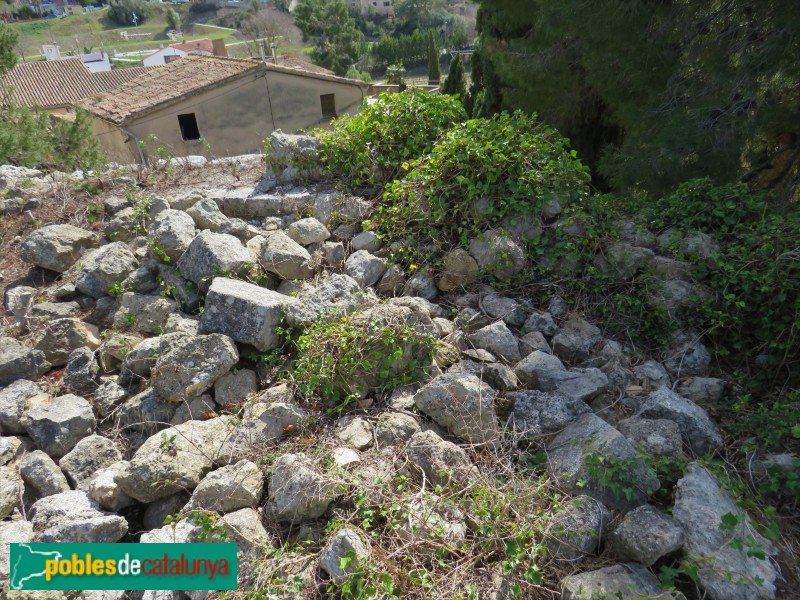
(341, 358)
(478, 174)
(754, 306)
(698, 204)
(29, 139)
(369, 149)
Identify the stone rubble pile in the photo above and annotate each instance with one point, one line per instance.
(135, 426)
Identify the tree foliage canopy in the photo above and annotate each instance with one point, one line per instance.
(651, 93)
(333, 30)
(8, 48)
(122, 11)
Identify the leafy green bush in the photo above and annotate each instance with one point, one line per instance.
(369, 149)
(698, 204)
(341, 358)
(481, 172)
(122, 11)
(754, 306)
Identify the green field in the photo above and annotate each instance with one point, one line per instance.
(94, 30)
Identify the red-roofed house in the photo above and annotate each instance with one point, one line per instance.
(174, 51)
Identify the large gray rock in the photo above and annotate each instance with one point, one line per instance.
(13, 447)
(56, 247)
(145, 412)
(575, 340)
(234, 387)
(189, 365)
(355, 431)
(687, 355)
(229, 488)
(460, 270)
(206, 215)
(579, 384)
(365, 268)
(507, 309)
(345, 542)
(497, 339)
(104, 489)
(212, 254)
(247, 313)
(308, 231)
(591, 457)
(498, 254)
(541, 321)
(140, 359)
(81, 371)
(395, 428)
(170, 233)
(536, 413)
(173, 460)
(20, 362)
(87, 457)
(41, 474)
(441, 462)
(44, 312)
(264, 424)
(652, 375)
(9, 491)
(60, 337)
(57, 424)
(699, 432)
(714, 525)
(334, 294)
(297, 490)
(366, 240)
(109, 265)
(281, 255)
(645, 535)
(576, 531)
(658, 437)
(627, 260)
(12, 532)
(536, 365)
(702, 390)
(144, 313)
(74, 517)
(462, 404)
(621, 582)
(12, 405)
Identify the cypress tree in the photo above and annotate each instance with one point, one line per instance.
(455, 82)
(434, 72)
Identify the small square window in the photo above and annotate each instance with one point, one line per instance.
(189, 129)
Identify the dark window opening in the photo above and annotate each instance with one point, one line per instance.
(328, 102)
(189, 129)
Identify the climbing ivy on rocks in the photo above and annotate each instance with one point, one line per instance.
(480, 173)
(368, 150)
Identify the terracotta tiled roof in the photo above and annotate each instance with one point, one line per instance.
(292, 62)
(170, 83)
(60, 83)
(204, 45)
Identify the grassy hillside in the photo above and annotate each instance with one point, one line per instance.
(94, 30)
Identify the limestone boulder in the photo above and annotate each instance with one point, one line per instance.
(56, 425)
(187, 365)
(57, 247)
(245, 312)
(109, 265)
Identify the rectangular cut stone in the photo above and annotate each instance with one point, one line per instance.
(247, 313)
